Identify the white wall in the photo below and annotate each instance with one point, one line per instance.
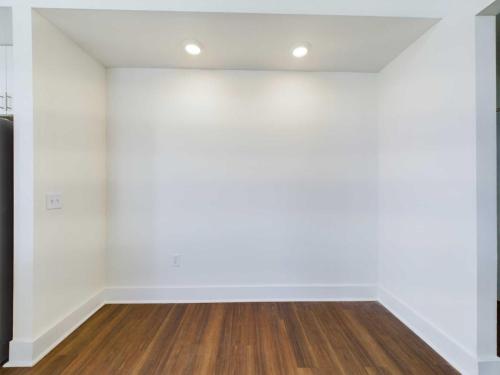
(428, 191)
(451, 49)
(486, 170)
(69, 143)
(6, 26)
(253, 177)
(24, 130)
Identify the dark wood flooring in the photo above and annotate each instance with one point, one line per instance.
(242, 339)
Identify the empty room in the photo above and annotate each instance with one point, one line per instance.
(249, 187)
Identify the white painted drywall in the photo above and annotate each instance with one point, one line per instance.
(6, 26)
(396, 8)
(69, 144)
(23, 182)
(239, 41)
(428, 192)
(456, 84)
(486, 170)
(255, 178)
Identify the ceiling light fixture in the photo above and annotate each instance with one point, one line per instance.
(300, 51)
(193, 48)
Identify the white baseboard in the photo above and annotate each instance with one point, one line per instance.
(241, 293)
(489, 366)
(459, 357)
(28, 353)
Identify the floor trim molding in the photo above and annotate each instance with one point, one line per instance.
(28, 353)
(447, 347)
(242, 293)
(489, 366)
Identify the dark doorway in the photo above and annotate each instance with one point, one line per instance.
(6, 235)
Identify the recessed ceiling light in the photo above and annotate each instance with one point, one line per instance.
(300, 51)
(193, 48)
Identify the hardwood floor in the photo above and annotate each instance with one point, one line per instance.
(242, 339)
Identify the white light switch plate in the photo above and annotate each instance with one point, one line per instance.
(53, 201)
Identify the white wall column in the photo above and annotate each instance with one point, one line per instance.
(23, 182)
(486, 195)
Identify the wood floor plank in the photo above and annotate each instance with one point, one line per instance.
(314, 338)
(162, 344)
(401, 343)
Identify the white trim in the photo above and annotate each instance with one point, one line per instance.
(489, 366)
(241, 293)
(458, 356)
(28, 353)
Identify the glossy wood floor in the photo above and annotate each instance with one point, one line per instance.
(242, 339)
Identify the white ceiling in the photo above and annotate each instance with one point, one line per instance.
(238, 41)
